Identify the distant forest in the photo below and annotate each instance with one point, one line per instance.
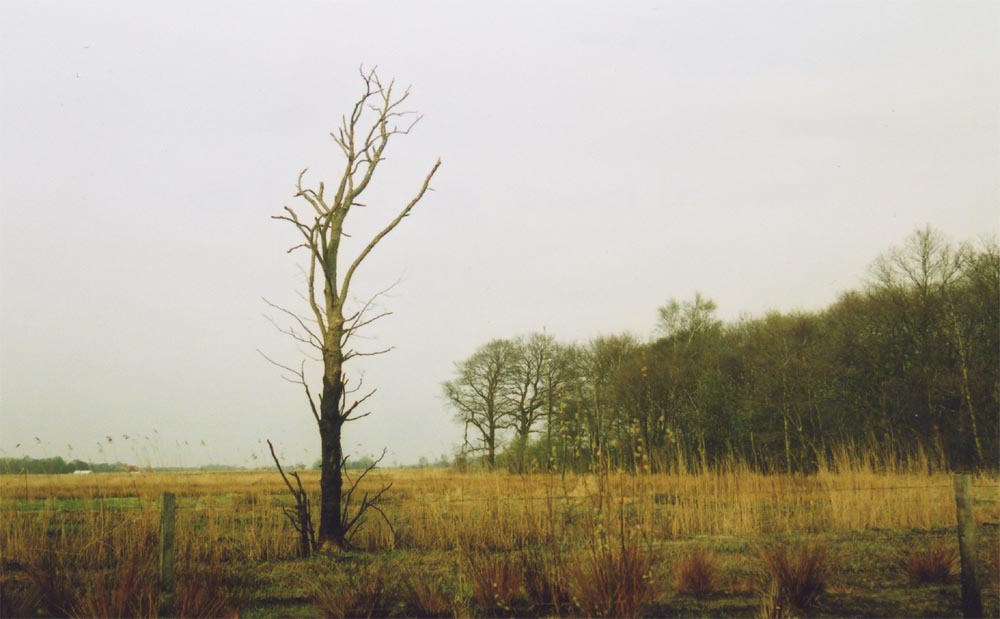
(902, 371)
(56, 465)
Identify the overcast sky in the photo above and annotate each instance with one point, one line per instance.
(599, 159)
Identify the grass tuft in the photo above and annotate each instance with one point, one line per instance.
(613, 579)
(496, 582)
(695, 574)
(798, 574)
(773, 607)
(542, 571)
(427, 598)
(936, 564)
(128, 590)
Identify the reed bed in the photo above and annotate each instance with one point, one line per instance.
(441, 509)
(558, 530)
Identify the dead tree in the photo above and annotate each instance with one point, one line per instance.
(375, 120)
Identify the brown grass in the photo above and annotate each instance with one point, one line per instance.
(434, 509)
(798, 573)
(544, 575)
(936, 564)
(773, 606)
(427, 598)
(111, 573)
(363, 590)
(543, 539)
(695, 573)
(128, 590)
(613, 577)
(497, 583)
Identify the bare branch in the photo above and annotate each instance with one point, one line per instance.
(395, 222)
(353, 353)
(299, 517)
(295, 372)
(346, 415)
(363, 323)
(280, 470)
(357, 320)
(350, 523)
(301, 380)
(313, 339)
(315, 199)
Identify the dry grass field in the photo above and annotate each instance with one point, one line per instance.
(851, 540)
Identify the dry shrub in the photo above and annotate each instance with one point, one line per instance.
(98, 574)
(934, 564)
(613, 579)
(119, 581)
(798, 574)
(364, 592)
(41, 585)
(51, 587)
(128, 590)
(131, 590)
(695, 573)
(543, 572)
(428, 598)
(203, 591)
(496, 582)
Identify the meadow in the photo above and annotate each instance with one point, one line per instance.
(854, 539)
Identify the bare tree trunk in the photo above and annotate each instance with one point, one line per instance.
(331, 474)
(362, 140)
(491, 448)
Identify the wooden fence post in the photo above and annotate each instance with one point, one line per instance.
(972, 601)
(165, 600)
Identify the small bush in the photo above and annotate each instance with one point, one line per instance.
(428, 599)
(39, 586)
(542, 570)
(613, 579)
(206, 591)
(798, 575)
(128, 590)
(51, 588)
(934, 564)
(695, 573)
(496, 582)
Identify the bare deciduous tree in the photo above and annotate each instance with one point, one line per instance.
(375, 120)
(923, 276)
(509, 385)
(480, 395)
(533, 379)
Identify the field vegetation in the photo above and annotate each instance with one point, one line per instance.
(784, 466)
(852, 539)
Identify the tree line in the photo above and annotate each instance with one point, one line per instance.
(55, 466)
(906, 368)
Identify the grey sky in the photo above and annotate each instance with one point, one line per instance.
(599, 158)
